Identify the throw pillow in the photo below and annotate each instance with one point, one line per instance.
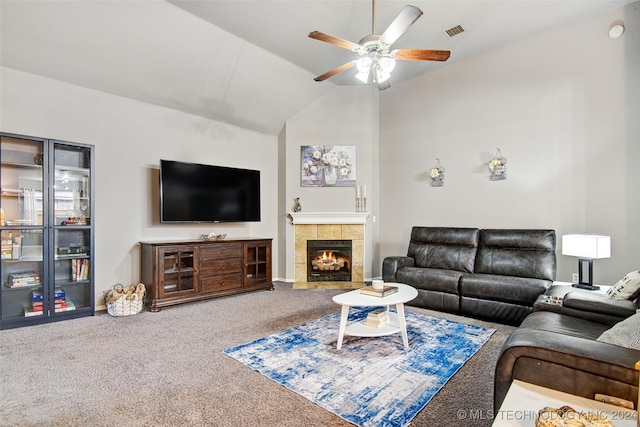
(625, 333)
(627, 288)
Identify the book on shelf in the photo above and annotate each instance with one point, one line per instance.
(68, 307)
(36, 296)
(58, 295)
(18, 280)
(29, 311)
(79, 269)
(39, 310)
(57, 304)
(24, 275)
(386, 290)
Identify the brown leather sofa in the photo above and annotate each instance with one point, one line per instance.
(556, 347)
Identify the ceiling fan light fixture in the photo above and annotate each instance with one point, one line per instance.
(387, 64)
(364, 64)
(363, 76)
(381, 75)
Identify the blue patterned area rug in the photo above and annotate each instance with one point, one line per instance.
(369, 381)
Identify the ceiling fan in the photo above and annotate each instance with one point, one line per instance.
(376, 61)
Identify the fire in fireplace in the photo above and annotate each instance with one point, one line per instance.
(329, 260)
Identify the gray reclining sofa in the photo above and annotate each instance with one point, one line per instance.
(494, 274)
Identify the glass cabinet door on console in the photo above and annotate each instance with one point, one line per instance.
(179, 271)
(257, 263)
(46, 230)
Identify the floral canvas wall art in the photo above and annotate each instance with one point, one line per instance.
(328, 166)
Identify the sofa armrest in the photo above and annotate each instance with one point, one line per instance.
(571, 364)
(594, 308)
(391, 265)
(599, 304)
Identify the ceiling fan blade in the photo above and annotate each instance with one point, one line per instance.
(420, 54)
(331, 73)
(334, 40)
(408, 15)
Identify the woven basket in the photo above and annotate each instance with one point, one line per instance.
(125, 302)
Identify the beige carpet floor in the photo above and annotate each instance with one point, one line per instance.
(168, 368)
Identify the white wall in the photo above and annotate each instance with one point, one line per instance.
(562, 107)
(345, 116)
(130, 137)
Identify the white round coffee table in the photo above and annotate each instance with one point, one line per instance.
(396, 323)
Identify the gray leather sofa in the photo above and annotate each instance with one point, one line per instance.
(561, 352)
(494, 274)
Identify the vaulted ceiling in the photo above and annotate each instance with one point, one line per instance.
(248, 63)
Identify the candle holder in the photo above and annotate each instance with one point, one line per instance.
(361, 204)
(361, 198)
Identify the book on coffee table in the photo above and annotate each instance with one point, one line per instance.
(377, 318)
(386, 290)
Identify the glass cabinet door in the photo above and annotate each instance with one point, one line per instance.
(179, 272)
(22, 234)
(257, 263)
(72, 236)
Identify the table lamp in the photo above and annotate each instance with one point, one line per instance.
(587, 248)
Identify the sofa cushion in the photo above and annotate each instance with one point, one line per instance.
(433, 300)
(625, 334)
(626, 288)
(433, 279)
(508, 313)
(564, 325)
(512, 289)
(443, 247)
(522, 253)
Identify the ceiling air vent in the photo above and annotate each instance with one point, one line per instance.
(454, 31)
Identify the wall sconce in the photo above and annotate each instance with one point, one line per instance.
(586, 248)
(437, 175)
(498, 167)
(616, 29)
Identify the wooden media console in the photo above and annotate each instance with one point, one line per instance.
(186, 271)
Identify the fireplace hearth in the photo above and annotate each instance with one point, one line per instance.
(329, 260)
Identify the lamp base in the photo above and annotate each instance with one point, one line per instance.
(586, 286)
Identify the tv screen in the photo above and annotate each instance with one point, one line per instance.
(191, 192)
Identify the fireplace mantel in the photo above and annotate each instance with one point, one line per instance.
(329, 217)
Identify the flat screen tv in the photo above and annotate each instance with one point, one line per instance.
(191, 192)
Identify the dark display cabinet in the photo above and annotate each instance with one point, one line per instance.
(46, 230)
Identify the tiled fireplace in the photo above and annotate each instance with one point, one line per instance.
(331, 228)
(329, 260)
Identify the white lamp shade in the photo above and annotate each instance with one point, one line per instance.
(364, 64)
(586, 246)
